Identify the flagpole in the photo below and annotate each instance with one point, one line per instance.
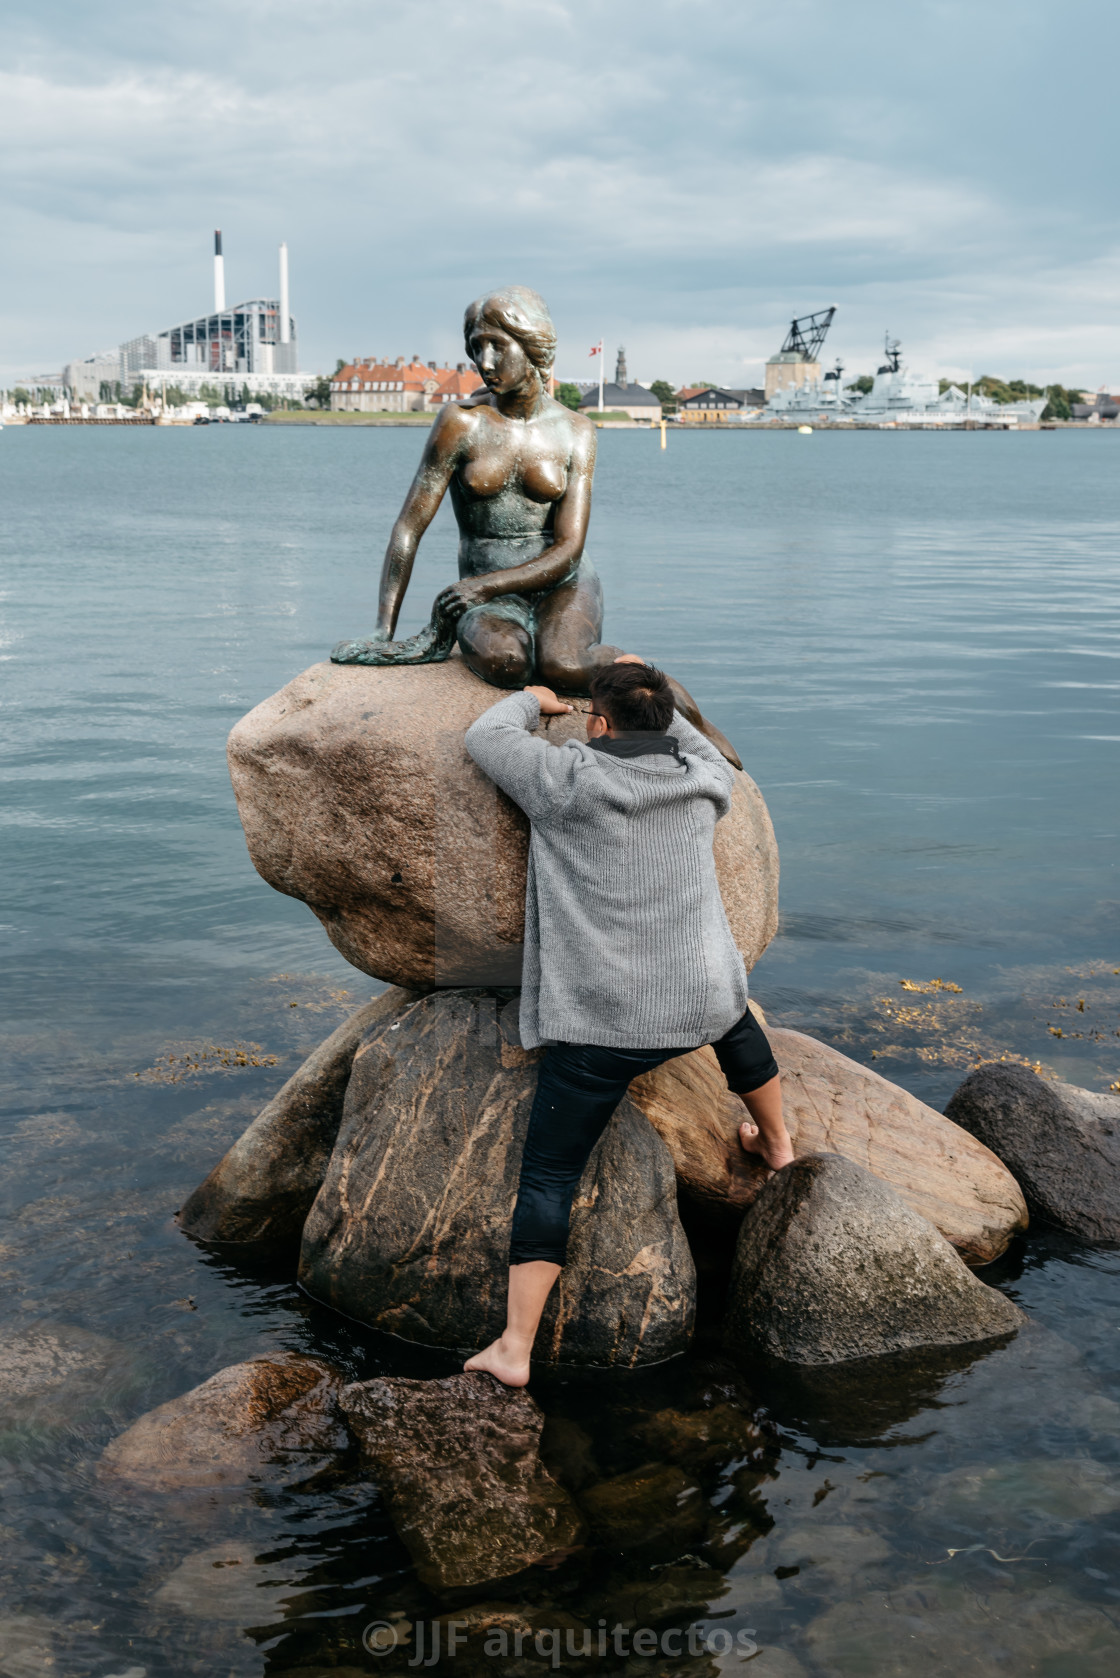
(601, 360)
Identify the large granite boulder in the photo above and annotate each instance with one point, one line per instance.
(271, 1414)
(410, 1230)
(357, 796)
(833, 1265)
(262, 1190)
(1062, 1143)
(458, 1462)
(834, 1105)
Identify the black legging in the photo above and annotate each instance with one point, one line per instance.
(578, 1089)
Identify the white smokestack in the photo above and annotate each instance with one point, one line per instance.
(285, 302)
(219, 274)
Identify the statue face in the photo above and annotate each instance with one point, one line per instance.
(501, 361)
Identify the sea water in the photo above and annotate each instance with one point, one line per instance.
(914, 642)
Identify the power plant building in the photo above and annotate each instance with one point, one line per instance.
(253, 343)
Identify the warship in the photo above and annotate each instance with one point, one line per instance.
(897, 396)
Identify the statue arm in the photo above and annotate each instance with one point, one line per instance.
(421, 504)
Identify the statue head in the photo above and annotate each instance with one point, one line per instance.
(508, 334)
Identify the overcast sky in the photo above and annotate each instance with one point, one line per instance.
(680, 176)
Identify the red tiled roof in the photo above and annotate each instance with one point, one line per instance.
(690, 390)
(370, 374)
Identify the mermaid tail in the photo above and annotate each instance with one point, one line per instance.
(432, 645)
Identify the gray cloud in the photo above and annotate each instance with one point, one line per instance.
(679, 174)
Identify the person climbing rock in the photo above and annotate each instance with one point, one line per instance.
(629, 959)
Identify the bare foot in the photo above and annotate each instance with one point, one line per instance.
(511, 1368)
(775, 1155)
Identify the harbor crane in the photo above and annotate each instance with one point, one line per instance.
(808, 333)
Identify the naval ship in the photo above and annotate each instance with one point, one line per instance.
(897, 397)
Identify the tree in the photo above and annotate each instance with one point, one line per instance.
(246, 395)
(665, 394)
(1059, 402)
(320, 391)
(863, 383)
(570, 395)
(21, 394)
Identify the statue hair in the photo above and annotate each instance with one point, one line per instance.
(524, 315)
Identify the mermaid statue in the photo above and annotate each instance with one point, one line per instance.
(528, 605)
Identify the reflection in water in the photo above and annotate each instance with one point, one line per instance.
(901, 647)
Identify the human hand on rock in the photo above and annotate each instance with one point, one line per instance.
(548, 702)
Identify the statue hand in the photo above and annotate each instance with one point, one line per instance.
(459, 597)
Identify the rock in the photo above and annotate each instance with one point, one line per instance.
(655, 1507)
(684, 1591)
(26, 1646)
(1062, 1143)
(945, 1624)
(478, 1635)
(1009, 1499)
(56, 1375)
(410, 1230)
(263, 1189)
(357, 796)
(826, 1557)
(702, 1440)
(568, 1452)
(228, 1582)
(277, 1411)
(832, 1265)
(834, 1105)
(459, 1465)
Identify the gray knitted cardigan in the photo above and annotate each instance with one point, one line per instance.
(626, 940)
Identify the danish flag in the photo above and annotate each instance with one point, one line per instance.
(597, 349)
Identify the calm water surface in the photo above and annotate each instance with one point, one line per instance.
(915, 643)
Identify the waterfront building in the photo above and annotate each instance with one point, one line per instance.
(622, 396)
(84, 379)
(712, 403)
(798, 360)
(370, 386)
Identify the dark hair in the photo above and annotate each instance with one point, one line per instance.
(633, 697)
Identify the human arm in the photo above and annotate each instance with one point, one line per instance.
(537, 776)
(691, 740)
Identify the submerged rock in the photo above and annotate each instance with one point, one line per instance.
(832, 1265)
(1062, 1143)
(228, 1582)
(458, 1462)
(941, 1622)
(357, 796)
(57, 1375)
(262, 1190)
(655, 1507)
(832, 1104)
(276, 1412)
(410, 1230)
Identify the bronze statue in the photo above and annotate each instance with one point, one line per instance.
(528, 605)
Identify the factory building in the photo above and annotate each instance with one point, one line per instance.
(253, 343)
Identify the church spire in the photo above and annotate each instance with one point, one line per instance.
(620, 377)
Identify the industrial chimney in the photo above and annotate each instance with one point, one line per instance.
(219, 274)
(285, 301)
